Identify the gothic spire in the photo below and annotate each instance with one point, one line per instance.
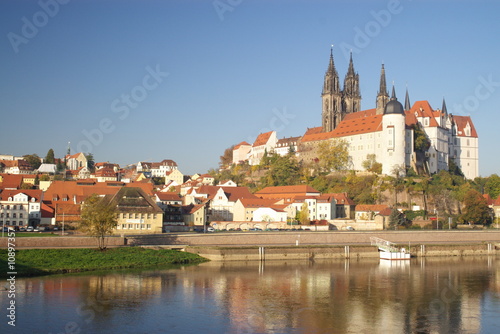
(393, 96)
(443, 108)
(331, 84)
(383, 85)
(350, 70)
(407, 100)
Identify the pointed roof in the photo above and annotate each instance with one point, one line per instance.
(383, 86)
(262, 138)
(461, 122)
(350, 70)
(243, 143)
(443, 108)
(331, 65)
(407, 101)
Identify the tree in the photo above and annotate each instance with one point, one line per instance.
(283, 171)
(396, 219)
(492, 186)
(371, 164)
(33, 160)
(50, 158)
(304, 214)
(227, 158)
(98, 218)
(333, 155)
(476, 210)
(90, 162)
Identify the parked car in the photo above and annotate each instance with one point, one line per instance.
(210, 229)
(22, 229)
(29, 229)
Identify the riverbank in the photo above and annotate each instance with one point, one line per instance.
(35, 262)
(325, 252)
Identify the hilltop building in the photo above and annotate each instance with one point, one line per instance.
(388, 131)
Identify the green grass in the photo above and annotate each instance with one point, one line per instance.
(34, 262)
(32, 234)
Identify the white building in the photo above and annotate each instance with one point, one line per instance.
(21, 208)
(265, 142)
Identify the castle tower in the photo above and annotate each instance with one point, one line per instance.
(383, 95)
(393, 122)
(351, 97)
(331, 98)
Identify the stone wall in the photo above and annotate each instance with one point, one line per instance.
(60, 242)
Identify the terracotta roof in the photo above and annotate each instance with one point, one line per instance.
(385, 212)
(168, 196)
(342, 198)
(497, 202)
(298, 190)
(12, 181)
(371, 207)
(360, 114)
(360, 125)
(232, 193)
(262, 138)
(461, 123)
(31, 193)
(424, 109)
(257, 202)
(191, 208)
(243, 143)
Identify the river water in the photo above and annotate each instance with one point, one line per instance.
(445, 295)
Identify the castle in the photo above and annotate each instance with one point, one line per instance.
(386, 132)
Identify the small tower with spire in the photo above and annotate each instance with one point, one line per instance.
(351, 97)
(407, 100)
(383, 95)
(331, 98)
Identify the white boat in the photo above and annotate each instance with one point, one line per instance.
(389, 251)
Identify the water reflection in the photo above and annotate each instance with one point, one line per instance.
(452, 295)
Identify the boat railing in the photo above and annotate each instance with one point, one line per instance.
(384, 245)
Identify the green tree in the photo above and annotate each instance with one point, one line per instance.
(50, 158)
(303, 214)
(396, 219)
(371, 164)
(476, 210)
(98, 218)
(492, 186)
(33, 160)
(333, 155)
(90, 162)
(283, 171)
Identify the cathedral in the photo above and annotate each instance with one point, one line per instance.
(390, 132)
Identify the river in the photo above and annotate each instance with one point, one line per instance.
(433, 295)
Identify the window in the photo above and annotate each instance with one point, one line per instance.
(148, 226)
(20, 215)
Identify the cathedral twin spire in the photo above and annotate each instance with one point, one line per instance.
(337, 103)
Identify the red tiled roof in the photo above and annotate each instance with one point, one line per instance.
(371, 207)
(243, 143)
(385, 212)
(360, 114)
(12, 181)
(342, 198)
(31, 193)
(257, 202)
(232, 193)
(286, 190)
(168, 196)
(262, 139)
(461, 123)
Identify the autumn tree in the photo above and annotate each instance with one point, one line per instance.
(476, 210)
(98, 218)
(50, 157)
(226, 159)
(371, 164)
(304, 214)
(333, 155)
(283, 171)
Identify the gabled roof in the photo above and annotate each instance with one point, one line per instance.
(132, 199)
(342, 199)
(31, 193)
(191, 208)
(424, 109)
(168, 196)
(232, 193)
(360, 125)
(461, 123)
(11, 181)
(243, 143)
(287, 141)
(262, 139)
(360, 114)
(257, 202)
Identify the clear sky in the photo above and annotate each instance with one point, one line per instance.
(144, 80)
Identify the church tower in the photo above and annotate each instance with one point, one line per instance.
(351, 97)
(383, 95)
(331, 98)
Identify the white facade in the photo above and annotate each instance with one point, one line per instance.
(19, 210)
(269, 215)
(265, 142)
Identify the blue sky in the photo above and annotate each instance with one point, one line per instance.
(137, 81)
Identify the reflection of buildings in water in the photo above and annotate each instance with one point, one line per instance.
(348, 296)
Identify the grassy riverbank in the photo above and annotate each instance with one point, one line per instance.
(34, 262)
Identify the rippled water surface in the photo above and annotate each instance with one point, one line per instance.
(446, 295)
